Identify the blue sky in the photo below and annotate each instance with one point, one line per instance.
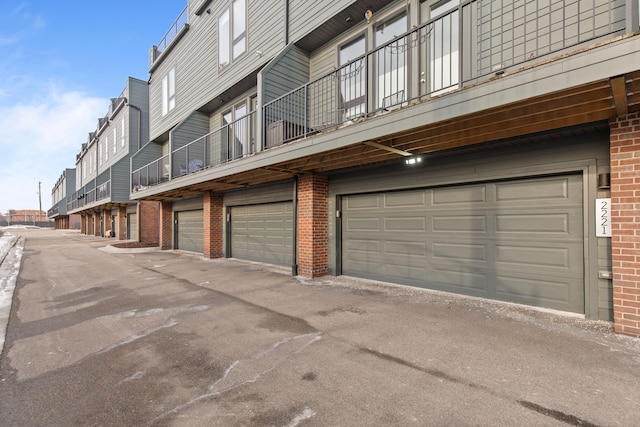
(60, 63)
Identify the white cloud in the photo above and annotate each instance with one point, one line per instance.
(39, 139)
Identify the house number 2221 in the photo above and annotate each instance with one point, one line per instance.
(603, 217)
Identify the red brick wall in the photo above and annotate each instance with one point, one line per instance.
(313, 222)
(213, 225)
(166, 225)
(149, 222)
(625, 222)
(96, 223)
(121, 223)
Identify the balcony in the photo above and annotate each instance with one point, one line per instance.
(103, 191)
(432, 60)
(181, 23)
(231, 142)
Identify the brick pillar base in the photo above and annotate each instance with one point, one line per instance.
(166, 225)
(148, 222)
(96, 223)
(625, 222)
(212, 222)
(313, 234)
(83, 224)
(121, 223)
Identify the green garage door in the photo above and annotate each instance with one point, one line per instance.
(189, 232)
(132, 226)
(519, 240)
(263, 233)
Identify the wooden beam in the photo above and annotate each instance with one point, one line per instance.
(619, 91)
(387, 148)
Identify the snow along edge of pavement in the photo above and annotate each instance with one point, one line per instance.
(11, 248)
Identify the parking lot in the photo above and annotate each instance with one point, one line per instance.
(98, 336)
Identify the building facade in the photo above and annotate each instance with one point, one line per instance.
(60, 196)
(479, 147)
(102, 178)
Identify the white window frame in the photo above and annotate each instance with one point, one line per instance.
(169, 91)
(232, 33)
(122, 132)
(115, 138)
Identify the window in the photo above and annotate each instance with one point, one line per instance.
(115, 138)
(122, 139)
(391, 62)
(106, 148)
(235, 136)
(352, 78)
(443, 46)
(232, 33)
(169, 91)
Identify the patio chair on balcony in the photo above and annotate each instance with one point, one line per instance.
(193, 166)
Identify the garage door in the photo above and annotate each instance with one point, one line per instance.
(189, 232)
(519, 240)
(263, 233)
(132, 226)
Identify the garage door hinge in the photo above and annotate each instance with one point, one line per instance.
(338, 213)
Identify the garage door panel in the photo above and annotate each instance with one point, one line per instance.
(263, 232)
(189, 236)
(545, 189)
(460, 252)
(445, 197)
(406, 248)
(405, 224)
(472, 223)
(531, 291)
(518, 240)
(557, 258)
(405, 199)
(461, 281)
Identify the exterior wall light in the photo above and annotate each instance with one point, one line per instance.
(413, 160)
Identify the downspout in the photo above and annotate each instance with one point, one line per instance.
(139, 120)
(294, 263)
(286, 22)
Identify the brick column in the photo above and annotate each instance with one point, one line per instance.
(96, 223)
(313, 234)
(148, 222)
(166, 225)
(213, 225)
(83, 224)
(625, 222)
(121, 223)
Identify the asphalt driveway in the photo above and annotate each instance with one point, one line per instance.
(99, 337)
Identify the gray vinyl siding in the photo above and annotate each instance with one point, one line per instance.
(138, 92)
(287, 72)
(146, 155)
(195, 59)
(120, 181)
(588, 153)
(305, 16)
(195, 126)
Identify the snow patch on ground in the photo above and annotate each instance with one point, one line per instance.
(11, 248)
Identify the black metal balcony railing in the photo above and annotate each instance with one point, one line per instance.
(152, 174)
(103, 190)
(232, 141)
(430, 60)
(182, 19)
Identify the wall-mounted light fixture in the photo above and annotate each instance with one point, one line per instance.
(604, 181)
(368, 14)
(413, 160)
